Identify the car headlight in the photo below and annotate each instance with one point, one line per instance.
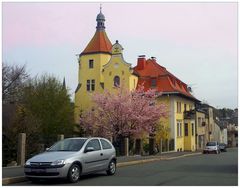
(58, 162)
(27, 163)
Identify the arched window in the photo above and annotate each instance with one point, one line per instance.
(116, 81)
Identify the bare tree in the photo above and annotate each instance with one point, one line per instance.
(13, 78)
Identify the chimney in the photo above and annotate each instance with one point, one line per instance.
(153, 58)
(141, 62)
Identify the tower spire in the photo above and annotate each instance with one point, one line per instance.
(100, 20)
(64, 84)
(100, 41)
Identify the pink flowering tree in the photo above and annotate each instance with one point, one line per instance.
(123, 113)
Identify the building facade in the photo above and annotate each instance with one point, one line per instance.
(101, 66)
(176, 96)
(232, 135)
(201, 121)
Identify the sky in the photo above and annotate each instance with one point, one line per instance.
(197, 42)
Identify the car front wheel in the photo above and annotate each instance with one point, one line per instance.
(74, 173)
(111, 167)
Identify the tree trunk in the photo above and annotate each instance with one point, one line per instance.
(138, 146)
(152, 146)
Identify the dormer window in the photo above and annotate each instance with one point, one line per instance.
(91, 64)
(153, 82)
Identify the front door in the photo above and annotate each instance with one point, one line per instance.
(93, 159)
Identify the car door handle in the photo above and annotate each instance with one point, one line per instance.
(101, 154)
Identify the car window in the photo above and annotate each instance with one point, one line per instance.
(95, 144)
(105, 144)
(68, 145)
(211, 144)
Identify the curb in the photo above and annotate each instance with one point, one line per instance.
(154, 159)
(7, 181)
(9, 167)
(181, 156)
(138, 162)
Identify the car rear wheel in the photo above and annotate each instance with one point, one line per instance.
(111, 167)
(74, 173)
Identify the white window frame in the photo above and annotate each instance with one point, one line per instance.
(179, 128)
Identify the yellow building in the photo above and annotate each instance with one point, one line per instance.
(181, 127)
(208, 110)
(201, 120)
(176, 96)
(117, 71)
(101, 66)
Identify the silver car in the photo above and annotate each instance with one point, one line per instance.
(212, 147)
(70, 158)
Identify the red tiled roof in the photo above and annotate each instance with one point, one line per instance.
(166, 82)
(99, 43)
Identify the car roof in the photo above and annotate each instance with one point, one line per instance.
(77, 138)
(87, 138)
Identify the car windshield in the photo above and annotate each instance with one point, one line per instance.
(221, 144)
(68, 145)
(211, 144)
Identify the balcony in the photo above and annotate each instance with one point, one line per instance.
(189, 114)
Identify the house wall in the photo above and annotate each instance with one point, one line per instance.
(210, 124)
(201, 126)
(179, 117)
(175, 118)
(223, 138)
(82, 96)
(166, 122)
(216, 133)
(189, 139)
(118, 67)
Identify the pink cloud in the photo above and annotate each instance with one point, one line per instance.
(195, 24)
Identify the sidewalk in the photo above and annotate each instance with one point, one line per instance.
(16, 174)
(162, 155)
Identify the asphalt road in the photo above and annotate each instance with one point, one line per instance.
(208, 169)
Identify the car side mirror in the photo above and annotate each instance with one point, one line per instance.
(89, 149)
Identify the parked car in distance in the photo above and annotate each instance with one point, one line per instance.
(223, 147)
(72, 157)
(212, 147)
